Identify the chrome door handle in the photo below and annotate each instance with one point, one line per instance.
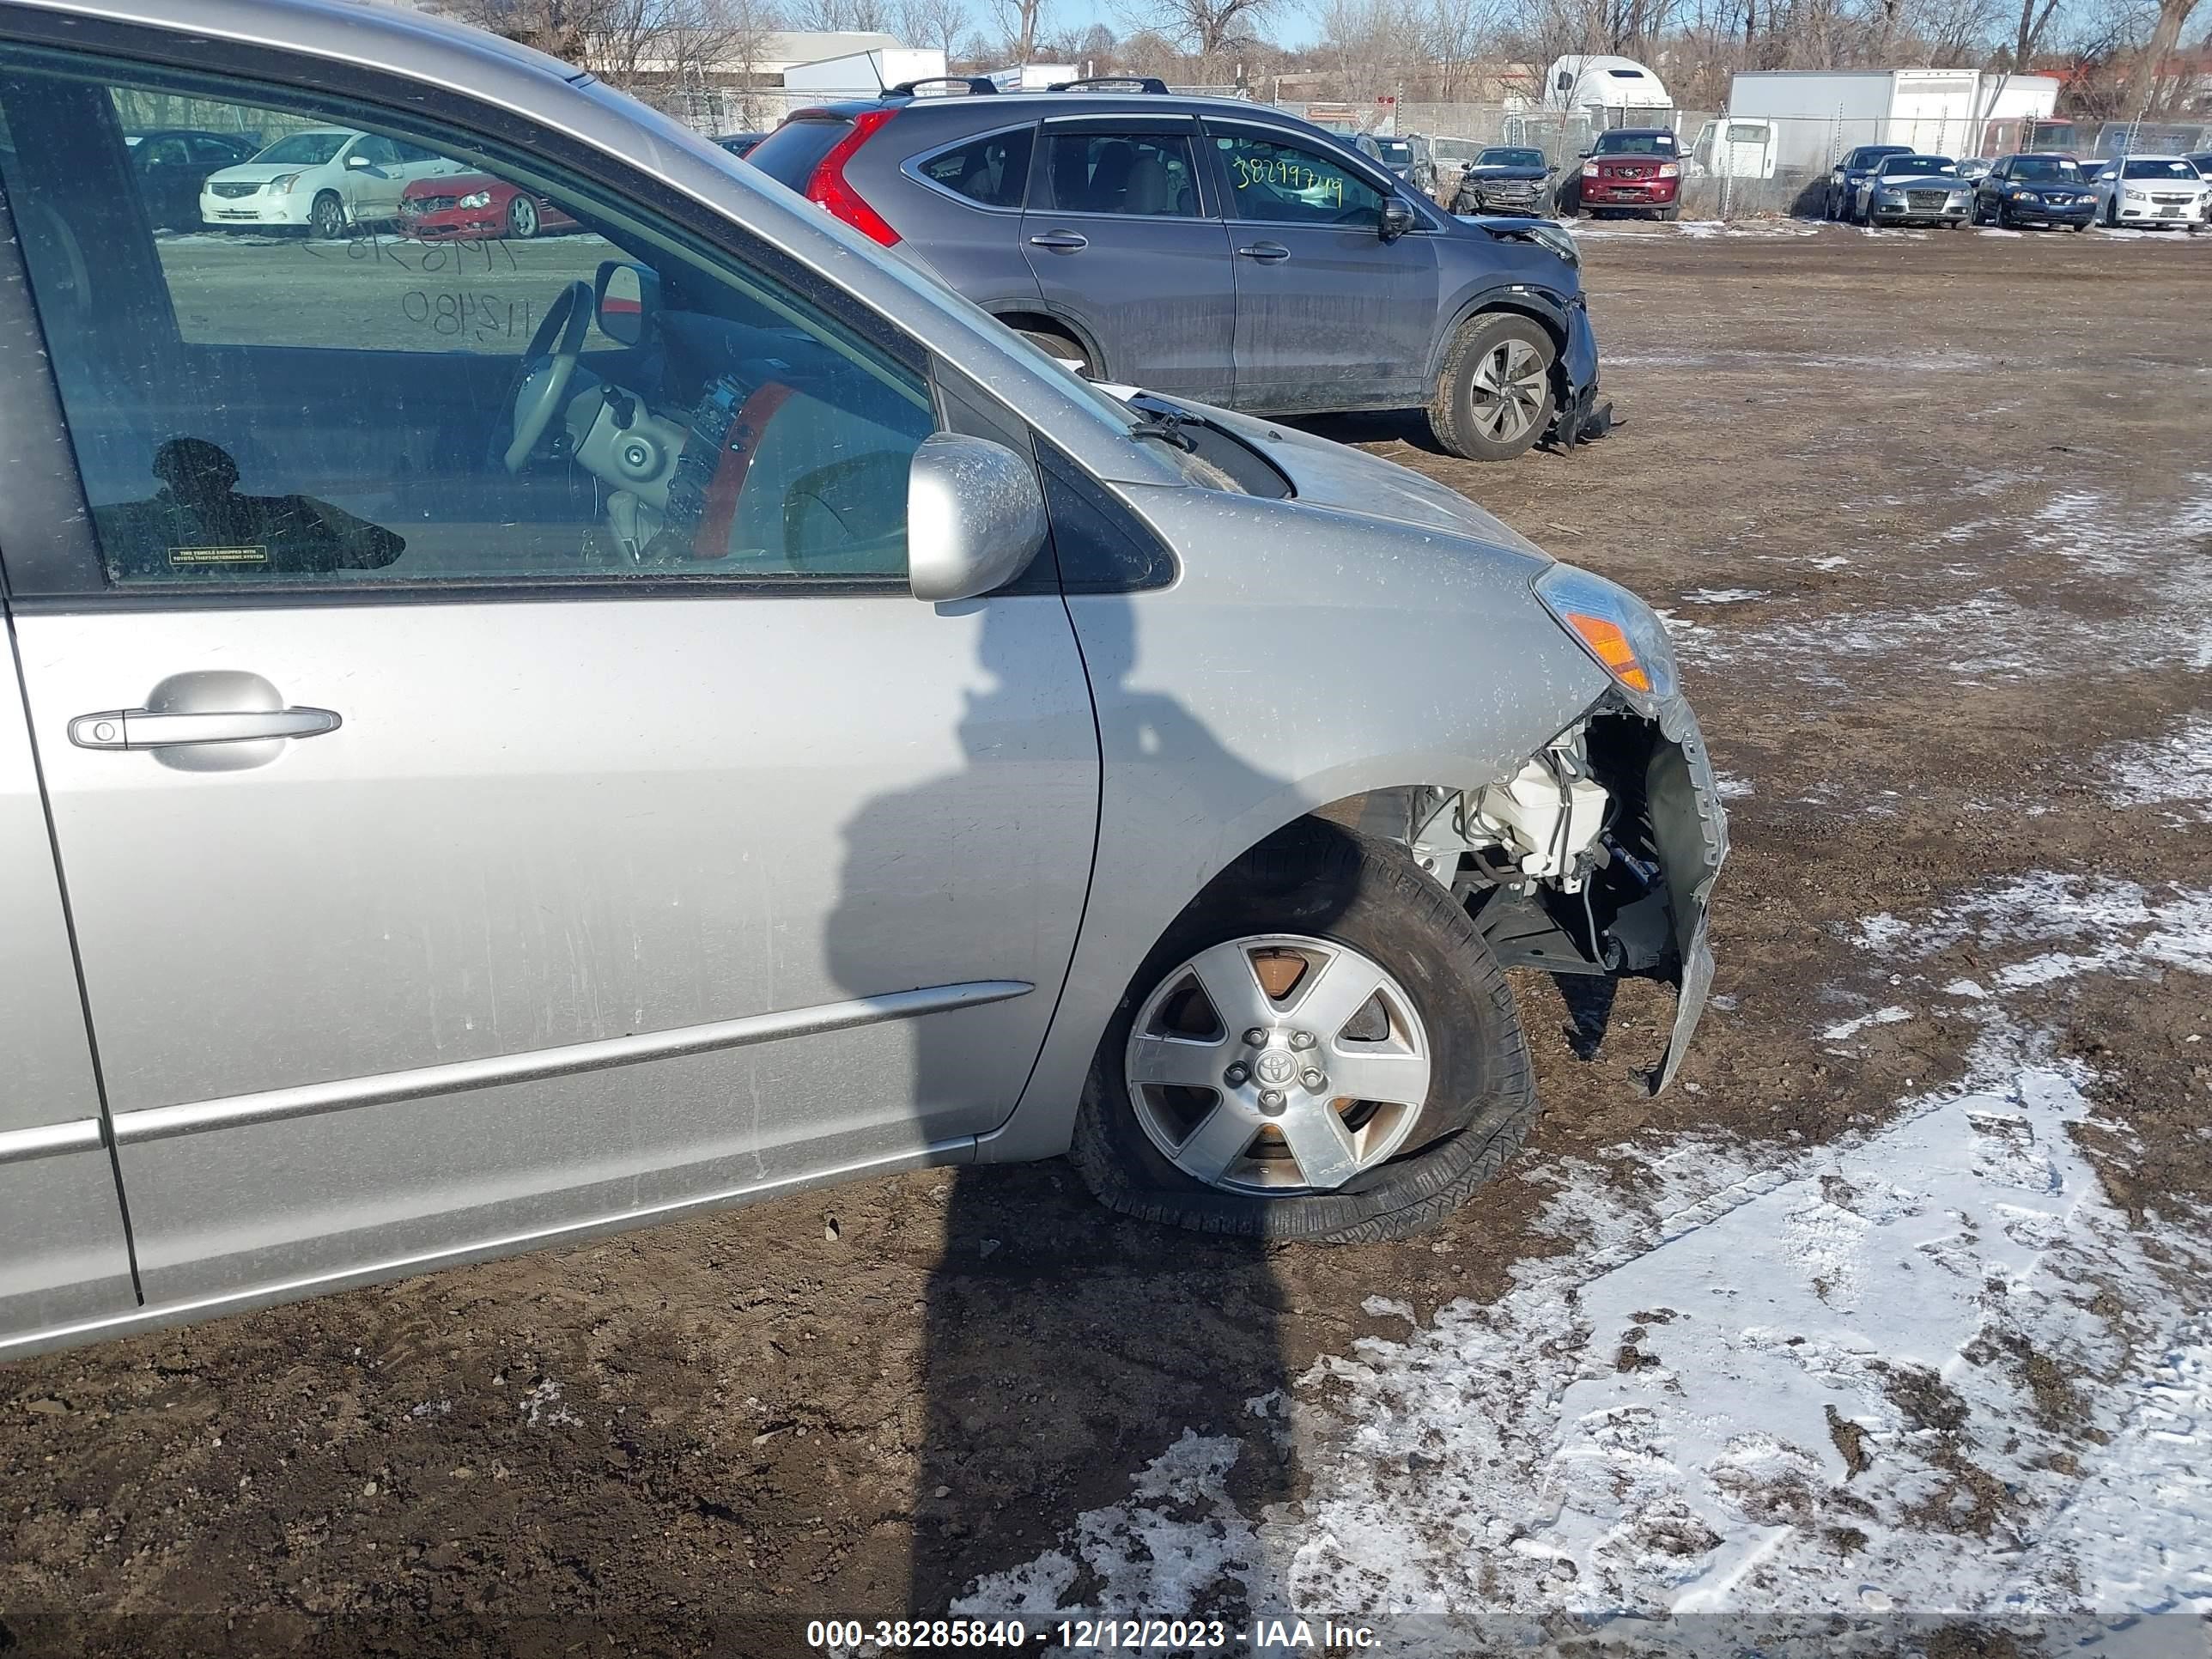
(1061, 241)
(1267, 253)
(150, 728)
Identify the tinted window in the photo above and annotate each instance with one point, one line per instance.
(993, 170)
(1273, 180)
(1898, 164)
(2160, 170)
(1134, 173)
(793, 151)
(1511, 158)
(747, 435)
(304, 149)
(2040, 167)
(1636, 143)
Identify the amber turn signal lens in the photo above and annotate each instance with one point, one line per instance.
(1613, 649)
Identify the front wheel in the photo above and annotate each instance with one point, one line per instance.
(326, 219)
(1321, 1047)
(1494, 395)
(522, 218)
(1667, 215)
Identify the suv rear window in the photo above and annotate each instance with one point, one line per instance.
(993, 170)
(791, 153)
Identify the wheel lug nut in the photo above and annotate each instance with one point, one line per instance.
(1314, 1081)
(1271, 1101)
(1302, 1039)
(1256, 1038)
(1235, 1075)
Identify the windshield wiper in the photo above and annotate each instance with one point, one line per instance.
(1167, 425)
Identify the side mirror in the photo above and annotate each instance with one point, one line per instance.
(1397, 220)
(626, 297)
(975, 516)
(357, 160)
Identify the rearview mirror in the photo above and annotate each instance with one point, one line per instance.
(1397, 220)
(627, 298)
(974, 517)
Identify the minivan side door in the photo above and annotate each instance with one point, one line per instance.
(1126, 242)
(459, 856)
(1329, 316)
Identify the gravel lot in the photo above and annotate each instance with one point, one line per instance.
(1932, 515)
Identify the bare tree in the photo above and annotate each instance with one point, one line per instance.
(937, 23)
(2164, 35)
(1019, 18)
(1204, 27)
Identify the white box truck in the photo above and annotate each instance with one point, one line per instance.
(1819, 114)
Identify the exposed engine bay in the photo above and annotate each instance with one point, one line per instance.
(1595, 856)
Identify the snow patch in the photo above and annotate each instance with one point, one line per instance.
(1851, 1028)
(2174, 770)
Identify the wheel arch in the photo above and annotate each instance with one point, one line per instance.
(1532, 303)
(1033, 316)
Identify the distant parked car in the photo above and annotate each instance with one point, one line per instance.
(1203, 247)
(740, 144)
(1851, 174)
(463, 207)
(2202, 163)
(2033, 190)
(1503, 178)
(321, 179)
(1408, 158)
(174, 162)
(2152, 191)
(1910, 190)
(1638, 167)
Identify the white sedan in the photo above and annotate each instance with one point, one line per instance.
(2153, 190)
(322, 179)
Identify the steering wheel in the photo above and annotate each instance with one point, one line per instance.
(548, 366)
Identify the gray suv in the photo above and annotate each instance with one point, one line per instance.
(508, 741)
(1214, 249)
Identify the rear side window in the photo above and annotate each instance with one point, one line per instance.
(993, 170)
(1145, 173)
(791, 153)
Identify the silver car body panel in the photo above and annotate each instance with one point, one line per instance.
(1332, 655)
(63, 1255)
(588, 822)
(551, 824)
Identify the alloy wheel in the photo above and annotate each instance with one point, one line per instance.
(1508, 391)
(522, 218)
(1277, 1064)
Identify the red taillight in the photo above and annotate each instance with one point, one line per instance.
(827, 185)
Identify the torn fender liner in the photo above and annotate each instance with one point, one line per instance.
(1690, 831)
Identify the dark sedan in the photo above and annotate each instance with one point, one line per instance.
(174, 162)
(2034, 189)
(1849, 175)
(1503, 179)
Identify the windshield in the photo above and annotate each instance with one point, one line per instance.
(2160, 170)
(305, 149)
(1636, 143)
(1511, 158)
(1395, 150)
(2043, 167)
(1900, 164)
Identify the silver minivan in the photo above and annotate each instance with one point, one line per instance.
(510, 740)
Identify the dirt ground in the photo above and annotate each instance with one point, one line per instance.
(1933, 515)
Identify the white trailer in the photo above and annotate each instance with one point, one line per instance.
(1608, 91)
(1820, 114)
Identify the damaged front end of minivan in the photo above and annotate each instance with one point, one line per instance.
(1598, 853)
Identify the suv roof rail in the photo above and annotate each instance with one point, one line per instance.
(976, 84)
(1150, 84)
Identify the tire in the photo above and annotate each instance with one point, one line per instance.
(1485, 431)
(2083, 225)
(1667, 215)
(327, 218)
(522, 222)
(1318, 881)
(1058, 345)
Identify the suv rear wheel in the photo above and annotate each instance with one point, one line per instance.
(1060, 346)
(1321, 1047)
(1493, 397)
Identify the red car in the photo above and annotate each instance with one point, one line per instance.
(1632, 167)
(464, 207)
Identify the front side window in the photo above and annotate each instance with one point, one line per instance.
(993, 170)
(477, 371)
(1145, 173)
(1274, 180)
